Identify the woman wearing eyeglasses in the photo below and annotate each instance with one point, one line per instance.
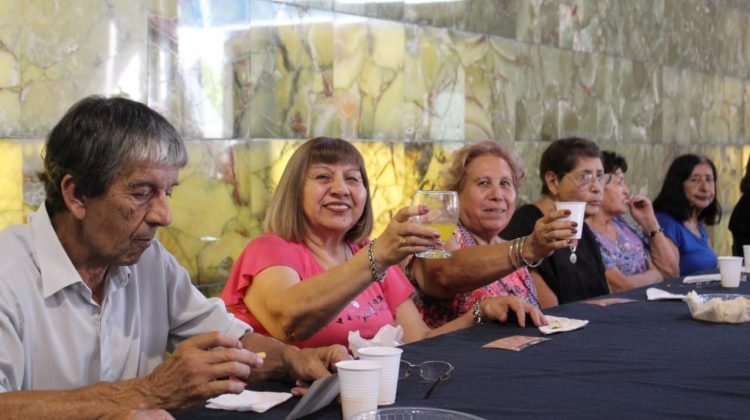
(633, 256)
(686, 203)
(570, 170)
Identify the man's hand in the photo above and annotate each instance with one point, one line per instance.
(200, 368)
(307, 365)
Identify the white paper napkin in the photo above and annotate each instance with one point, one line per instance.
(702, 278)
(256, 401)
(556, 324)
(387, 336)
(652, 293)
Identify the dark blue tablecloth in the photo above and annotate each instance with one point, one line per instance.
(634, 360)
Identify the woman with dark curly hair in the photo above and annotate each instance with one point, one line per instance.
(686, 203)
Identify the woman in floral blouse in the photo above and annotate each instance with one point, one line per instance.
(486, 178)
(632, 256)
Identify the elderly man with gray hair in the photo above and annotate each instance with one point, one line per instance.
(91, 302)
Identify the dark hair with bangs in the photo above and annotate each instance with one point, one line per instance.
(611, 162)
(672, 200)
(562, 155)
(285, 216)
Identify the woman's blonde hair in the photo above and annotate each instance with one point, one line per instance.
(454, 177)
(285, 216)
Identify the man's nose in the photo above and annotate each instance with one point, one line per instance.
(159, 213)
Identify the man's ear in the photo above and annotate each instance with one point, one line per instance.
(74, 200)
(553, 183)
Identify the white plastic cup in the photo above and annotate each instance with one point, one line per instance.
(359, 382)
(577, 212)
(746, 251)
(390, 359)
(730, 269)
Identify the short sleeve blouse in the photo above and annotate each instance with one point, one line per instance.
(367, 313)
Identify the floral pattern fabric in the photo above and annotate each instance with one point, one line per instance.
(629, 252)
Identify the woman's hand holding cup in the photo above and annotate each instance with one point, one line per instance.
(402, 238)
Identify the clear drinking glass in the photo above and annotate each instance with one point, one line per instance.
(442, 217)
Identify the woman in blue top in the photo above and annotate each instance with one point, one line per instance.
(686, 202)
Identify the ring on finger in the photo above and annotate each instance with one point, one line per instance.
(402, 241)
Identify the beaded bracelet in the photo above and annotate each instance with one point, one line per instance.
(379, 277)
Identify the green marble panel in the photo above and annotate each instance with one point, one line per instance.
(629, 96)
(539, 86)
(645, 167)
(504, 76)
(529, 154)
(98, 47)
(445, 14)
(164, 82)
(641, 29)
(495, 17)
(434, 84)
(731, 49)
(539, 22)
(314, 4)
(578, 104)
(691, 37)
(393, 10)
(288, 79)
(10, 68)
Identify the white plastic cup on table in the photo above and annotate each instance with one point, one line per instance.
(730, 269)
(390, 359)
(359, 383)
(746, 251)
(577, 211)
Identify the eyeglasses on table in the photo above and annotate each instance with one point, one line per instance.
(435, 371)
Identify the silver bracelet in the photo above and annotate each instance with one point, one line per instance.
(376, 276)
(513, 254)
(532, 264)
(476, 312)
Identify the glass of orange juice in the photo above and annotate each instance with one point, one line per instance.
(442, 217)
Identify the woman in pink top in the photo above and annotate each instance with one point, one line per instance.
(314, 276)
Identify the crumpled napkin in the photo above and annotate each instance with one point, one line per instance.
(653, 293)
(556, 324)
(387, 336)
(247, 400)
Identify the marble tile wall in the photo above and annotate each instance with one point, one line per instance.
(409, 81)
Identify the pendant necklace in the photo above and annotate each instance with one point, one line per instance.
(573, 257)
